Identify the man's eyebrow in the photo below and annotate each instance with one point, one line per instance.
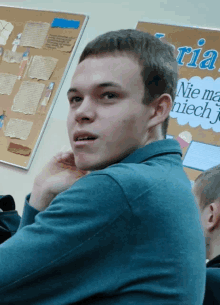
(102, 85)
(109, 84)
(71, 90)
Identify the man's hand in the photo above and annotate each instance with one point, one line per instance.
(57, 176)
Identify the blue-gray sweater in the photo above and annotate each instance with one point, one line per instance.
(127, 234)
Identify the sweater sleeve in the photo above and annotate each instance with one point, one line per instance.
(54, 256)
(28, 215)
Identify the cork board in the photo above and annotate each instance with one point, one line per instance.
(36, 50)
(195, 116)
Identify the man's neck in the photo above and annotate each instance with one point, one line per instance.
(214, 250)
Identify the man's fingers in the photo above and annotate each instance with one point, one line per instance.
(66, 160)
(65, 156)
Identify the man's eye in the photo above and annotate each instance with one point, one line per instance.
(75, 99)
(109, 95)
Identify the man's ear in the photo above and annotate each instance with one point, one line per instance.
(213, 220)
(160, 109)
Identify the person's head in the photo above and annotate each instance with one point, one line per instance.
(122, 93)
(207, 192)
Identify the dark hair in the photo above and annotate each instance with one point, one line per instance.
(157, 60)
(207, 186)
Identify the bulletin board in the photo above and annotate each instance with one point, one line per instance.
(36, 50)
(195, 114)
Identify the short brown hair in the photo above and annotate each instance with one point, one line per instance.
(207, 186)
(157, 60)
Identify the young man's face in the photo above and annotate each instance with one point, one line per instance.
(106, 105)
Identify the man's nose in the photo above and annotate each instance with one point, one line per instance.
(86, 110)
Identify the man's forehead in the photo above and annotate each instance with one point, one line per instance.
(109, 69)
(97, 81)
(108, 63)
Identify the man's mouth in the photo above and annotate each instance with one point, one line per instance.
(85, 139)
(83, 135)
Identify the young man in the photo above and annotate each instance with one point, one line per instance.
(207, 191)
(114, 220)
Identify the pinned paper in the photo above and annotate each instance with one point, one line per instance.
(27, 65)
(46, 98)
(201, 156)
(5, 31)
(12, 57)
(65, 23)
(18, 129)
(28, 97)
(19, 149)
(2, 117)
(7, 82)
(60, 43)
(1, 52)
(34, 34)
(184, 139)
(42, 67)
(24, 62)
(16, 42)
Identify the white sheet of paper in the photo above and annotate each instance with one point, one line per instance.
(202, 156)
(12, 57)
(42, 67)
(5, 31)
(19, 129)
(34, 34)
(28, 97)
(7, 82)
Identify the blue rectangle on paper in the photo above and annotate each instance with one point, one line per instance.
(64, 23)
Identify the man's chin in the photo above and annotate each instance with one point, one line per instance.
(85, 166)
(90, 167)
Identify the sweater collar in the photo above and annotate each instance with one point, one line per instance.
(215, 262)
(153, 149)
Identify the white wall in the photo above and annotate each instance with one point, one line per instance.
(104, 16)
